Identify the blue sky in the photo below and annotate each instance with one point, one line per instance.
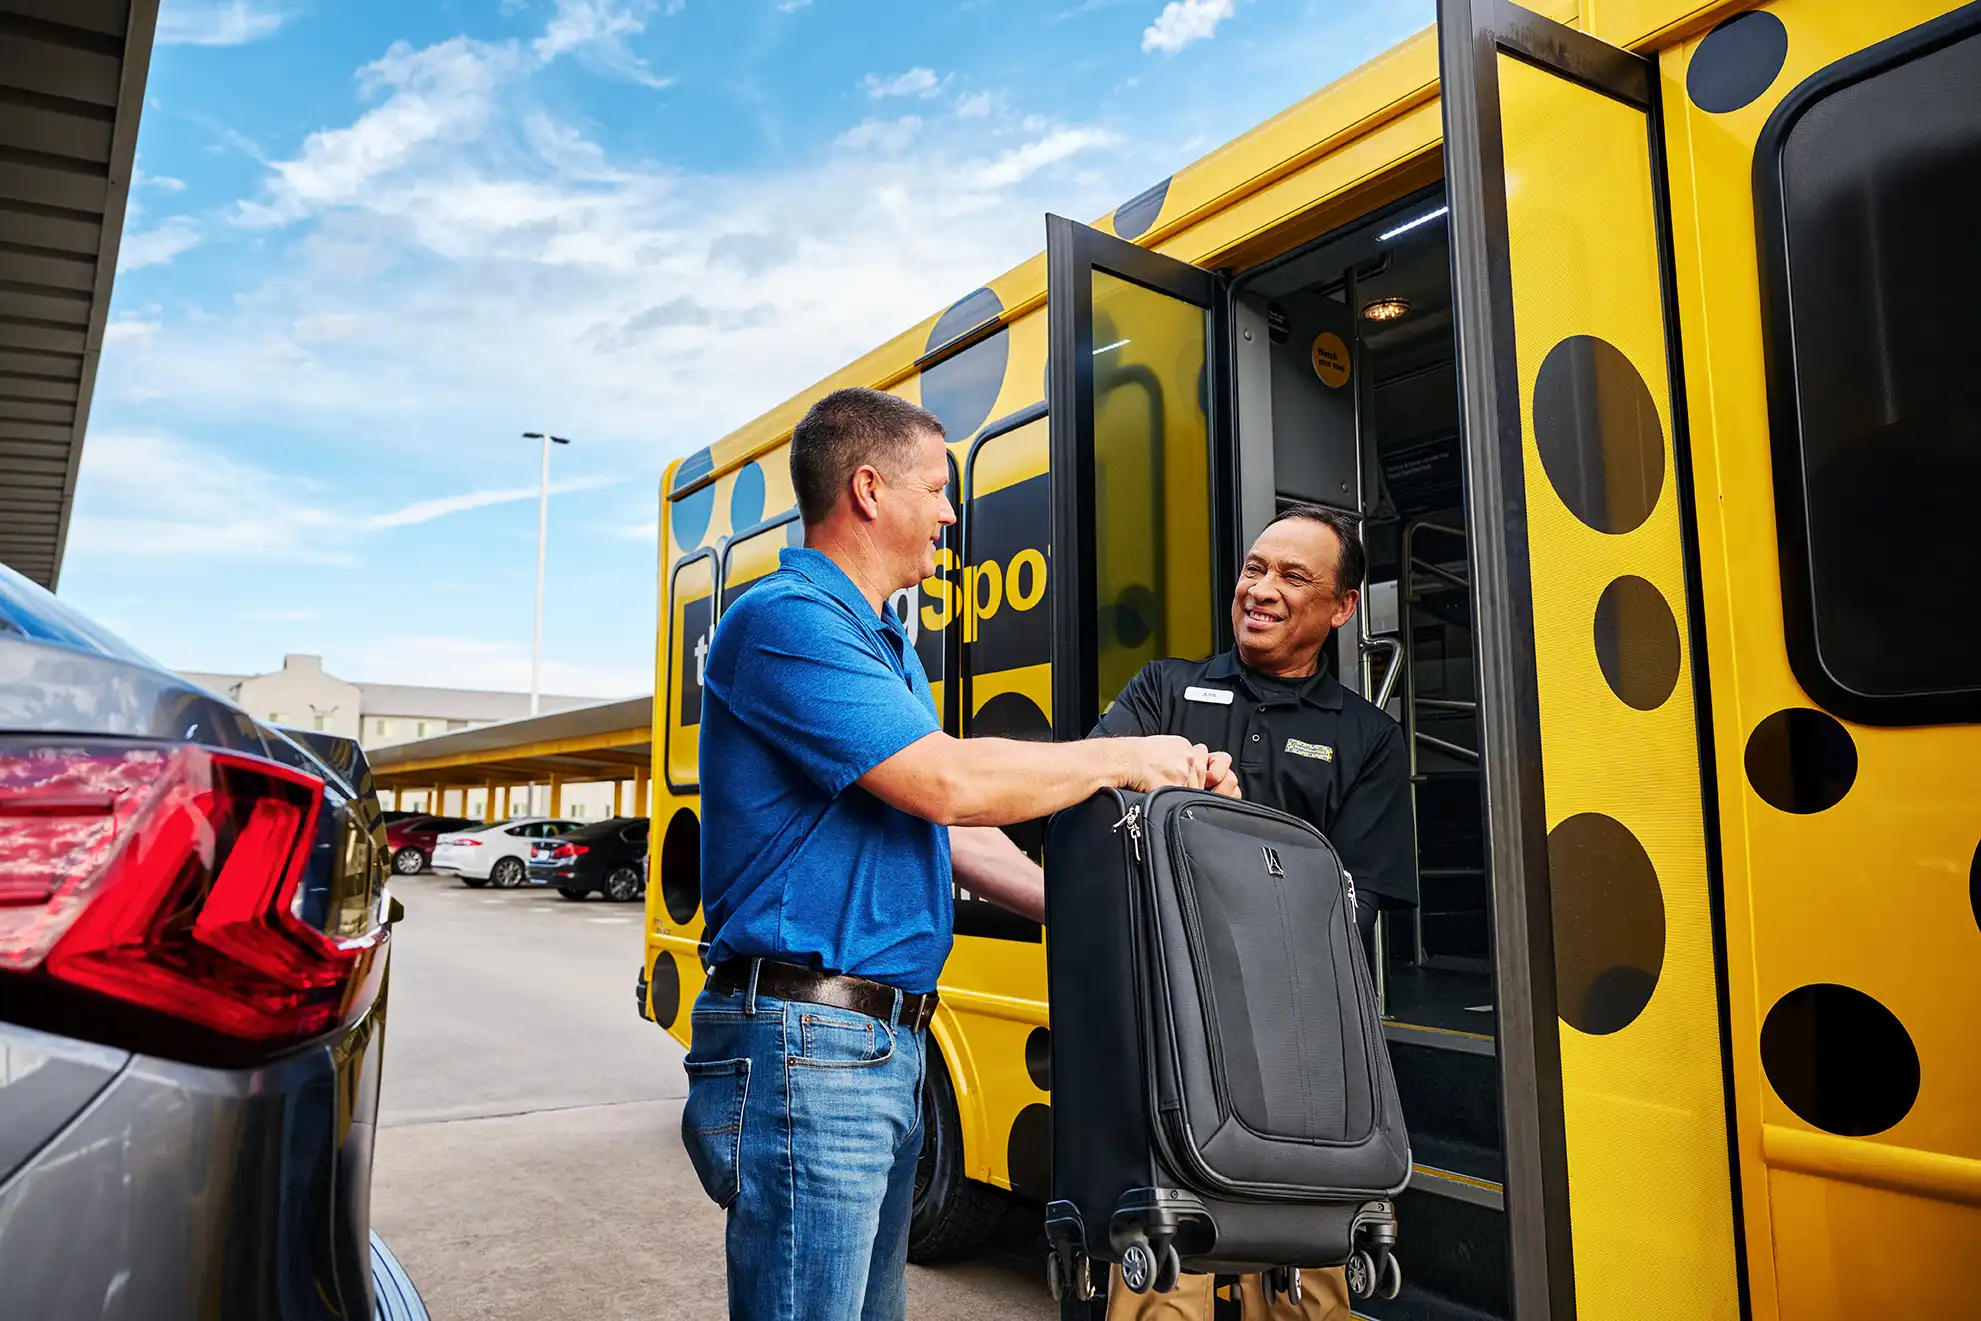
(372, 241)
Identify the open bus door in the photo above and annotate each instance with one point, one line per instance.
(1608, 974)
(1140, 462)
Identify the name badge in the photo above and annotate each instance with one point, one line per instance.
(1318, 751)
(1215, 696)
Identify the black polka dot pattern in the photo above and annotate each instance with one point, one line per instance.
(1028, 1155)
(962, 389)
(1637, 642)
(1801, 760)
(1840, 1060)
(1738, 61)
(1038, 1058)
(965, 314)
(1597, 428)
(665, 991)
(1012, 715)
(1609, 923)
(689, 516)
(1133, 217)
(681, 866)
(1974, 885)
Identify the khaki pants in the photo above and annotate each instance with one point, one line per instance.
(1323, 1297)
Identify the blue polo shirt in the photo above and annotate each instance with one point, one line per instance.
(808, 688)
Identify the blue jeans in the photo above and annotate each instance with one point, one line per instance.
(804, 1123)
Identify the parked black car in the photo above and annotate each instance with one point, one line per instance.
(194, 938)
(609, 856)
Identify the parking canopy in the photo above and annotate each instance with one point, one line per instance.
(610, 741)
(72, 78)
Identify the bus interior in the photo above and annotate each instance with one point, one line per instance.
(1346, 389)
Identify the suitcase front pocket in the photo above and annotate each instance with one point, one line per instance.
(1263, 906)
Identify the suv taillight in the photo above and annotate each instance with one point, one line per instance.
(166, 878)
(569, 850)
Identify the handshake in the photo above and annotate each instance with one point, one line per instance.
(1152, 761)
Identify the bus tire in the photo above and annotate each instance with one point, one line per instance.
(952, 1214)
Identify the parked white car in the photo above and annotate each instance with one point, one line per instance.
(495, 853)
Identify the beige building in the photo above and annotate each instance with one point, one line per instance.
(303, 695)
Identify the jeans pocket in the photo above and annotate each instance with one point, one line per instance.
(712, 1124)
(842, 1041)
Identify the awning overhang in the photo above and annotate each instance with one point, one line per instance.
(72, 80)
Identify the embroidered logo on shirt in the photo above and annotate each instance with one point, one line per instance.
(1215, 696)
(1318, 751)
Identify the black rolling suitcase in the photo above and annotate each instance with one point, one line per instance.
(1222, 1097)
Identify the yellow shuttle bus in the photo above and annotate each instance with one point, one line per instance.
(1641, 336)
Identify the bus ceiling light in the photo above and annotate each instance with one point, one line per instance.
(1105, 347)
(1409, 225)
(1386, 309)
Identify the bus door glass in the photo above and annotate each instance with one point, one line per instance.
(1607, 982)
(1131, 387)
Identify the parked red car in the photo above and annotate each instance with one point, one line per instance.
(411, 841)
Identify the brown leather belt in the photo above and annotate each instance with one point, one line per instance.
(787, 981)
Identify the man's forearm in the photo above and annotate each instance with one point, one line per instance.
(990, 866)
(998, 782)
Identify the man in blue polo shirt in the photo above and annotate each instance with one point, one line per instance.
(833, 810)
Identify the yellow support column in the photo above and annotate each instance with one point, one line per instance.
(619, 798)
(439, 800)
(488, 803)
(503, 813)
(557, 795)
(640, 792)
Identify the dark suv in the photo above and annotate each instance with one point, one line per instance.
(609, 856)
(194, 936)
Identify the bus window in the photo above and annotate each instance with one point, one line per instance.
(691, 602)
(1871, 263)
(749, 558)
(1006, 619)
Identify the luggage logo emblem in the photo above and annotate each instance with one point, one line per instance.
(1272, 861)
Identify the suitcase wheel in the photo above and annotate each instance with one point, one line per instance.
(1363, 1275)
(1080, 1283)
(1169, 1267)
(1138, 1267)
(1282, 1282)
(1392, 1284)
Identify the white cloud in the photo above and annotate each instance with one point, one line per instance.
(152, 495)
(885, 135)
(915, 82)
(216, 22)
(975, 105)
(791, 6)
(157, 495)
(1021, 163)
(1184, 21)
(140, 179)
(599, 29)
(442, 93)
(128, 331)
(425, 511)
(155, 247)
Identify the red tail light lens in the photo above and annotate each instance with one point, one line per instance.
(569, 850)
(167, 878)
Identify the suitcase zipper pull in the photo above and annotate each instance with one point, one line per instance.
(1134, 823)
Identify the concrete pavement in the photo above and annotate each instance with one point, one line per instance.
(529, 1160)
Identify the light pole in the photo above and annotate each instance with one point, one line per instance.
(543, 532)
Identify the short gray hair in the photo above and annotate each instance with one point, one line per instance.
(844, 430)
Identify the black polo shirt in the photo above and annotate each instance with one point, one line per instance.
(1306, 747)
